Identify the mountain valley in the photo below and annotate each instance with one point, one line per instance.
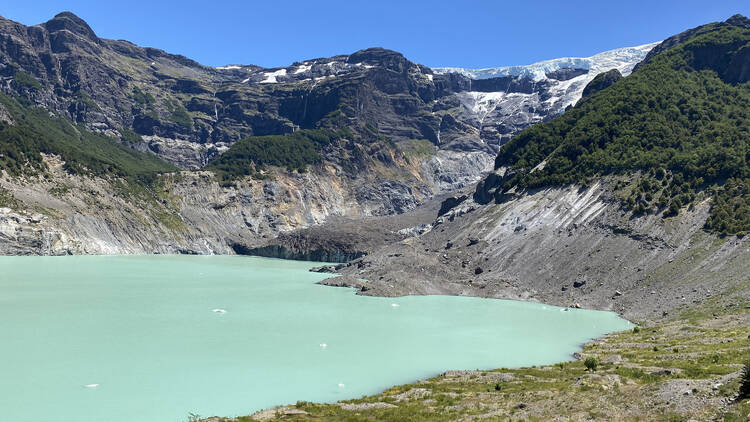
(617, 182)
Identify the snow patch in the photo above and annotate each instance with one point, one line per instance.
(271, 76)
(302, 69)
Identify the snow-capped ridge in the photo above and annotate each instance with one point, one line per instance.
(622, 59)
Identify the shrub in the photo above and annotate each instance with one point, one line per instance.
(591, 363)
(745, 382)
(178, 114)
(28, 81)
(143, 97)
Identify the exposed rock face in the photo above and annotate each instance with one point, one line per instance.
(190, 213)
(539, 244)
(602, 81)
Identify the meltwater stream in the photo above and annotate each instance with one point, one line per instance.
(152, 338)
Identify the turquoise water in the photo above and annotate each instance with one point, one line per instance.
(136, 338)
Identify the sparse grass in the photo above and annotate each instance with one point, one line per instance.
(7, 200)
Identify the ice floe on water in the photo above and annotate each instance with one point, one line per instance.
(341, 385)
(395, 305)
(323, 345)
(219, 311)
(91, 385)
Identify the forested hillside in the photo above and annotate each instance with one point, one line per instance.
(681, 121)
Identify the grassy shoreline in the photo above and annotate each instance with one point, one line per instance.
(678, 370)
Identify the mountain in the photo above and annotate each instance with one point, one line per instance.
(365, 134)
(634, 200)
(502, 101)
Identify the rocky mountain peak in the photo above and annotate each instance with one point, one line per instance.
(379, 56)
(70, 22)
(739, 20)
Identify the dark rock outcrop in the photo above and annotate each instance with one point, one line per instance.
(602, 81)
(451, 203)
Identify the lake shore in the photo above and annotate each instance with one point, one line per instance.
(665, 372)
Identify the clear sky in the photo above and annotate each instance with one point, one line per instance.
(437, 33)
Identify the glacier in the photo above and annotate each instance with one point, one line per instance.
(622, 59)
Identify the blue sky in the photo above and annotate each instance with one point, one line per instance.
(470, 34)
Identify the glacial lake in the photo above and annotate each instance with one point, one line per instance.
(151, 338)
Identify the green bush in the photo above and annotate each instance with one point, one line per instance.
(143, 97)
(130, 137)
(7, 200)
(83, 97)
(591, 363)
(745, 382)
(28, 81)
(179, 115)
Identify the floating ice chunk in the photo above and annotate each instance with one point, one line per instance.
(395, 305)
(341, 385)
(323, 345)
(91, 385)
(219, 311)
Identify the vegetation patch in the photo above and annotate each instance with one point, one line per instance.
(129, 137)
(84, 152)
(84, 98)
(293, 151)
(178, 114)
(143, 97)
(26, 80)
(7, 200)
(419, 148)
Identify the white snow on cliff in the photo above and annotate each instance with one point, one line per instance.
(557, 94)
(271, 76)
(622, 59)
